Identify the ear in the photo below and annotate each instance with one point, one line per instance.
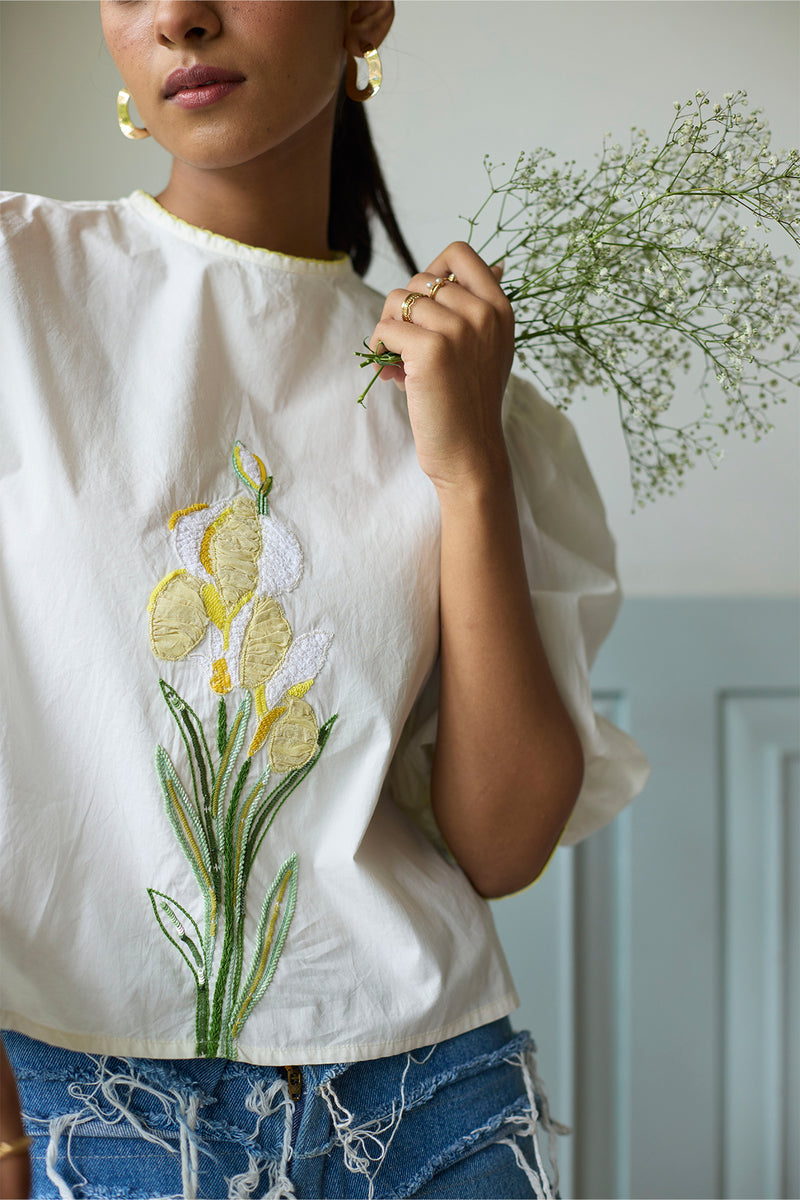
(368, 22)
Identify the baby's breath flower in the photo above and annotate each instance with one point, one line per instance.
(626, 277)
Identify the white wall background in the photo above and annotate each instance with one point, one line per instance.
(463, 79)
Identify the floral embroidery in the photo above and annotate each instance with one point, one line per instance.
(221, 608)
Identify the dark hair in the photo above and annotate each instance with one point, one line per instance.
(358, 189)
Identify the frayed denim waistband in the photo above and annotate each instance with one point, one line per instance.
(382, 1128)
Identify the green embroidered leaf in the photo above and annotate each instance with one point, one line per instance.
(273, 926)
(271, 805)
(175, 927)
(186, 824)
(194, 740)
(236, 846)
(244, 824)
(231, 874)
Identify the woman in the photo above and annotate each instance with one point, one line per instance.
(245, 970)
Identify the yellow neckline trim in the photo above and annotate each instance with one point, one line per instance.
(149, 207)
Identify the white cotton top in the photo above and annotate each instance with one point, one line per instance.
(167, 613)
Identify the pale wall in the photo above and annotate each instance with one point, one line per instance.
(463, 79)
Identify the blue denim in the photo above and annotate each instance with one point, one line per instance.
(464, 1118)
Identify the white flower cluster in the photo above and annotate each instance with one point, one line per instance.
(628, 277)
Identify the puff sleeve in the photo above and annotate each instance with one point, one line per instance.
(570, 562)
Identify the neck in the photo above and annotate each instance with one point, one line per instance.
(279, 201)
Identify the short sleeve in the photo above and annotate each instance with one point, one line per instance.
(570, 562)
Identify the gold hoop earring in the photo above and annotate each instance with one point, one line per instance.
(124, 118)
(375, 69)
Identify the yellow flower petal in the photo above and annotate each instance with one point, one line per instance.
(205, 544)
(214, 606)
(220, 681)
(178, 618)
(294, 738)
(264, 726)
(299, 689)
(265, 643)
(233, 549)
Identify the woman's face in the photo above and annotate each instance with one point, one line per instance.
(268, 69)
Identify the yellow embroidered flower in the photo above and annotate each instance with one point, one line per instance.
(237, 558)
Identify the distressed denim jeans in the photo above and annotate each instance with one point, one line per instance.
(464, 1118)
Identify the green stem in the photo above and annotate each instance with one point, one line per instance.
(229, 910)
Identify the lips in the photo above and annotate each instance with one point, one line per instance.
(198, 76)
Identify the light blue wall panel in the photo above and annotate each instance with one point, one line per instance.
(620, 951)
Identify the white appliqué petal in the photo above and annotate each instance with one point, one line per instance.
(189, 532)
(233, 654)
(280, 566)
(304, 660)
(216, 643)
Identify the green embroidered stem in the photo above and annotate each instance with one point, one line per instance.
(231, 909)
(243, 826)
(228, 940)
(238, 787)
(222, 726)
(229, 756)
(261, 497)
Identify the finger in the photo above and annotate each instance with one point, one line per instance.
(410, 341)
(443, 313)
(470, 271)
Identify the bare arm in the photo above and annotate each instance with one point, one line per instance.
(508, 764)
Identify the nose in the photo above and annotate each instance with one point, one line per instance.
(177, 22)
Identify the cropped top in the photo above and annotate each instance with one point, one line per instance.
(218, 634)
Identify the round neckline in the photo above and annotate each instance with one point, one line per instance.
(216, 243)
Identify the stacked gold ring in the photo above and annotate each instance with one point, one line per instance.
(439, 283)
(409, 302)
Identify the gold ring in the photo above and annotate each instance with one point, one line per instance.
(440, 282)
(18, 1146)
(409, 302)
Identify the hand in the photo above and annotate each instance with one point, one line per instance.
(457, 352)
